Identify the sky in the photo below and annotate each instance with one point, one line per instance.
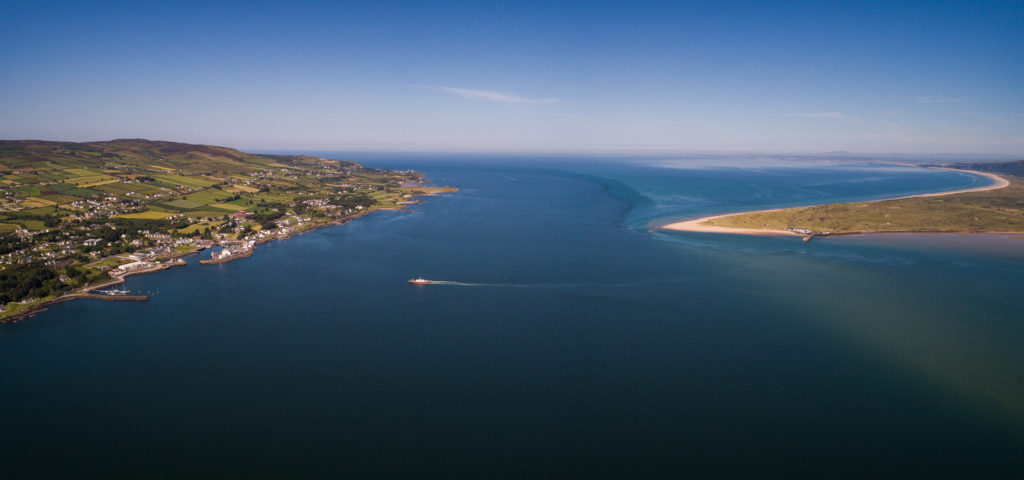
(772, 77)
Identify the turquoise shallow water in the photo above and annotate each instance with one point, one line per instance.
(573, 340)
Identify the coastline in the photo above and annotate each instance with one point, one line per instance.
(175, 261)
(698, 224)
(87, 291)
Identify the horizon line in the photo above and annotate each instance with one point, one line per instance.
(568, 150)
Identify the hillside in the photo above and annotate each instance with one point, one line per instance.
(140, 154)
(1008, 168)
(62, 178)
(72, 212)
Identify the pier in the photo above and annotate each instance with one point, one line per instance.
(111, 298)
(234, 256)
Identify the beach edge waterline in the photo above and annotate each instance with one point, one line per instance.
(698, 224)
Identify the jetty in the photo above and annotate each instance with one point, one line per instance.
(229, 253)
(110, 298)
(226, 258)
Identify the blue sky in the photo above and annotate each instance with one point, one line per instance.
(773, 77)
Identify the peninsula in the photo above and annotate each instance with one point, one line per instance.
(77, 217)
(994, 208)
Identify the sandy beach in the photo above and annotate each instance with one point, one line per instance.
(697, 224)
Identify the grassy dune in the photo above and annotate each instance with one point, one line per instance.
(1000, 210)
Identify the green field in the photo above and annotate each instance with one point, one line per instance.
(34, 225)
(207, 212)
(182, 204)
(99, 183)
(60, 199)
(384, 199)
(186, 181)
(245, 188)
(198, 227)
(43, 211)
(148, 215)
(230, 207)
(277, 198)
(82, 192)
(209, 196)
(29, 191)
(242, 204)
(119, 188)
(80, 172)
(109, 262)
(60, 187)
(90, 180)
(114, 188)
(38, 202)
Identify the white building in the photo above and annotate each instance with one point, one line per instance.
(131, 266)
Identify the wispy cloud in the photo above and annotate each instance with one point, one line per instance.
(562, 115)
(930, 99)
(490, 95)
(833, 115)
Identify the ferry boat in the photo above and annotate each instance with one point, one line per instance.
(419, 281)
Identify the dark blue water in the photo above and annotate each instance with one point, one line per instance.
(575, 341)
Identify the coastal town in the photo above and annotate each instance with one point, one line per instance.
(79, 218)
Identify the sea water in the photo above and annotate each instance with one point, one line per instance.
(570, 338)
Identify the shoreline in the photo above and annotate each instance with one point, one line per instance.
(697, 224)
(87, 291)
(176, 261)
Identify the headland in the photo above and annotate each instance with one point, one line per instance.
(76, 217)
(992, 208)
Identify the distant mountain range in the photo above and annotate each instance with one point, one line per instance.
(1010, 168)
(143, 155)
